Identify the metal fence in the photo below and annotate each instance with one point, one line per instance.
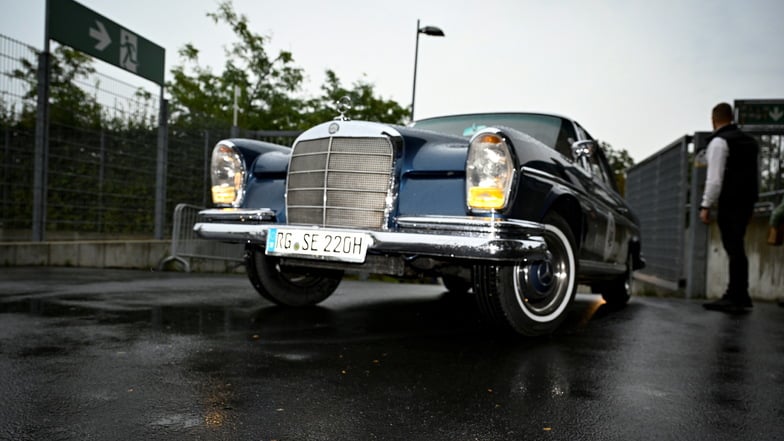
(100, 174)
(771, 168)
(102, 157)
(16, 137)
(664, 191)
(657, 191)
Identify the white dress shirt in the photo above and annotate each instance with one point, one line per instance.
(718, 150)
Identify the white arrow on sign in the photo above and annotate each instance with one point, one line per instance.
(776, 114)
(101, 36)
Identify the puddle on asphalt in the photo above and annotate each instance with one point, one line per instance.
(258, 321)
(183, 319)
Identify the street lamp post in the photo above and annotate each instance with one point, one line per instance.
(427, 30)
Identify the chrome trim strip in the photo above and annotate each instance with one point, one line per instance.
(536, 172)
(436, 236)
(349, 129)
(237, 215)
(591, 266)
(325, 190)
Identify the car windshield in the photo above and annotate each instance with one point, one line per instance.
(545, 128)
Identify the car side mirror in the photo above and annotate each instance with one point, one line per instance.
(583, 149)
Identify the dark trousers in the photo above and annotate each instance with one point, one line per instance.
(732, 225)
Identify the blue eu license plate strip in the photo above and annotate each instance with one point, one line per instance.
(318, 244)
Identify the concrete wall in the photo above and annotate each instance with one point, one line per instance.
(766, 268)
(766, 263)
(131, 254)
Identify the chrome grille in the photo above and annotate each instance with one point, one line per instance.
(339, 182)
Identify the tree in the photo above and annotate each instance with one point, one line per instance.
(620, 162)
(268, 87)
(70, 104)
(365, 105)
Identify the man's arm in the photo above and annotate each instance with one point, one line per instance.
(717, 160)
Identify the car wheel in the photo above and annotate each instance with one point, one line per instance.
(288, 287)
(455, 284)
(531, 298)
(617, 292)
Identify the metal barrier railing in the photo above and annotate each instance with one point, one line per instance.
(187, 245)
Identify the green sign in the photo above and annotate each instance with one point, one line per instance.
(85, 30)
(768, 113)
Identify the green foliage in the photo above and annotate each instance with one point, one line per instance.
(620, 162)
(70, 104)
(365, 105)
(268, 86)
(102, 158)
(86, 160)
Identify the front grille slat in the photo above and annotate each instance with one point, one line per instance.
(340, 182)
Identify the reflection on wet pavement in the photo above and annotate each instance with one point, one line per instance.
(128, 355)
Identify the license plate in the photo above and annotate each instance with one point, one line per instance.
(330, 245)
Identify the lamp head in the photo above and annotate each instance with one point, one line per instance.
(431, 30)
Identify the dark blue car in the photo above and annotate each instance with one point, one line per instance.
(518, 208)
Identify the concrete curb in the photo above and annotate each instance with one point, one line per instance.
(135, 254)
(123, 254)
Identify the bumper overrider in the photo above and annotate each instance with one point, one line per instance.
(451, 237)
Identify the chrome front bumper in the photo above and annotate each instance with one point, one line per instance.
(435, 236)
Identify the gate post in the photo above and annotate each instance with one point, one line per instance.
(41, 160)
(699, 233)
(160, 175)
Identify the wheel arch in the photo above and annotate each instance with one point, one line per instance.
(568, 207)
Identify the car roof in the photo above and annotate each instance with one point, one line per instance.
(554, 115)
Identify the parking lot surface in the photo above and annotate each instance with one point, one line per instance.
(114, 354)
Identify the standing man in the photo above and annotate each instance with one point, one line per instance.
(732, 181)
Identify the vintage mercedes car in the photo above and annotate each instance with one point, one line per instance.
(516, 208)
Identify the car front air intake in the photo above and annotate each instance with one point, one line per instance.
(340, 182)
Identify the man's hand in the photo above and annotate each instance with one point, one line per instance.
(705, 215)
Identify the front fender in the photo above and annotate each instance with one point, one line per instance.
(540, 192)
(265, 185)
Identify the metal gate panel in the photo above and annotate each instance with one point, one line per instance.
(656, 189)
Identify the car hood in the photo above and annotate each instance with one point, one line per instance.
(432, 153)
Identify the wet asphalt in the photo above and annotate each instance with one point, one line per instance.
(91, 354)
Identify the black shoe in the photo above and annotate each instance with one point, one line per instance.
(781, 302)
(728, 304)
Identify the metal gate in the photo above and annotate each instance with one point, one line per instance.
(662, 191)
(657, 189)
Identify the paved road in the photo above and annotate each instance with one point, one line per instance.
(108, 354)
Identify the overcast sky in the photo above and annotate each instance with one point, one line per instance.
(637, 74)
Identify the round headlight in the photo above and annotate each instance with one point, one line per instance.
(489, 172)
(227, 172)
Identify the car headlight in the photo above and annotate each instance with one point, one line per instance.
(489, 172)
(227, 171)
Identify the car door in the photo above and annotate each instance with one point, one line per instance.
(617, 243)
(598, 220)
(606, 238)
